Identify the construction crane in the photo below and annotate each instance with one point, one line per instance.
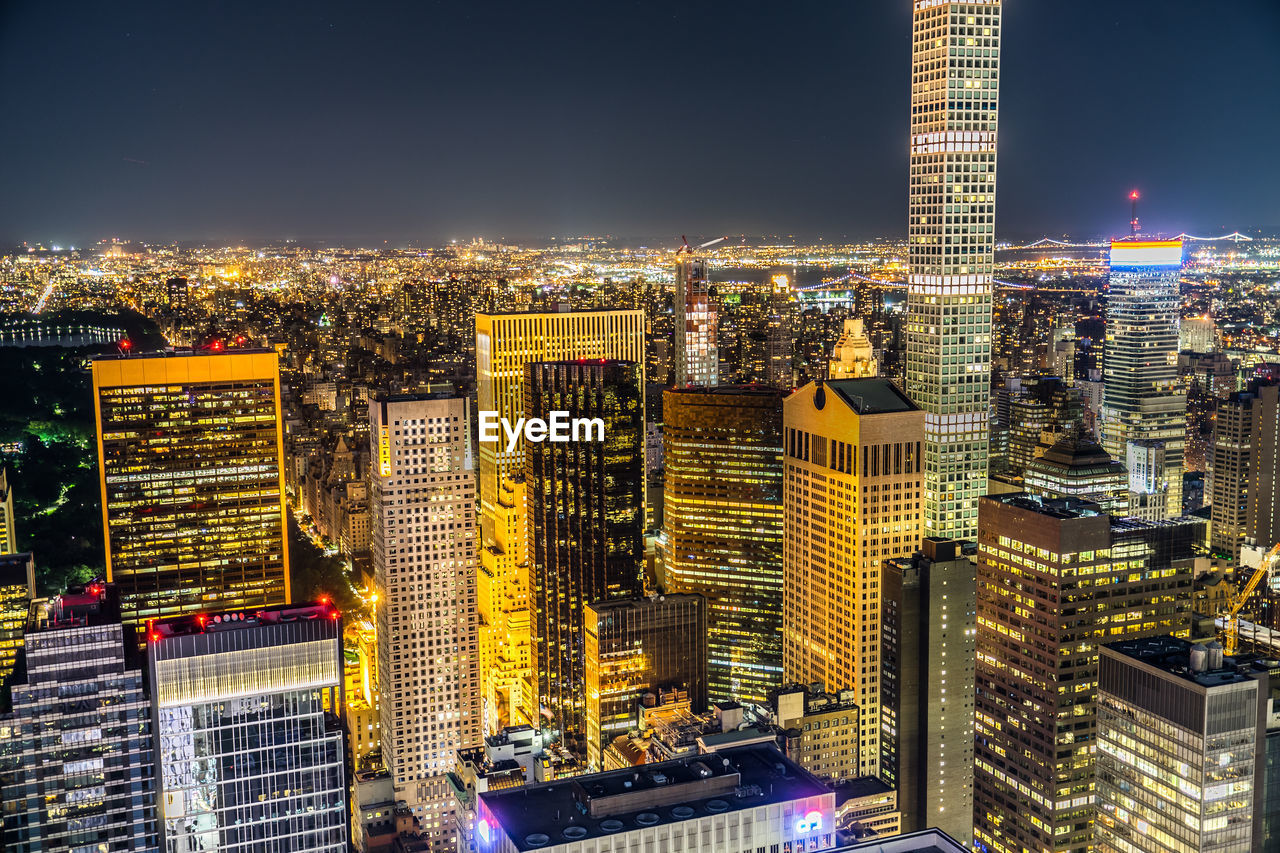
(689, 250)
(1231, 618)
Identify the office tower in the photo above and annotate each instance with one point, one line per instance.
(17, 589)
(1262, 520)
(1076, 466)
(586, 522)
(76, 769)
(1230, 469)
(1181, 749)
(820, 730)
(1148, 463)
(854, 483)
(752, 794)
(505, 343)
(638, 646)
(1063, 354)
(722, 491)
(927, 670)
(191, 462)
(424, 560)
(1043, 408)
(8, 535)
(502, 601)
(1197, 334)
(1056, 578)
(248, 758)
(697, 359)
(955, 92)
(852, 357)
(1140, 398)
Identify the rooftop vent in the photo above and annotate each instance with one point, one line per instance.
(537, 839)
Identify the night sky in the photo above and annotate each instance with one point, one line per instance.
(430, 121)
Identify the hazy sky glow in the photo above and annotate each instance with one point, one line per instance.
(431, 121)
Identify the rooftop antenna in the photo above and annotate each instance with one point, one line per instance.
(1133, 222)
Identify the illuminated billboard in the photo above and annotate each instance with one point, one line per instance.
(1146, 253)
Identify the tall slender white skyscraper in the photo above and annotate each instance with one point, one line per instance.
(423, 492)
(955, 90)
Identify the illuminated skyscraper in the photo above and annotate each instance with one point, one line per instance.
(1230, 469)
(1181, 749)
(1056, 578)
(1075, 466)
(638, 646)
(722, 491)
(424, 560)
(505, 343)
(17, 589)
(586, 522)
(697, 359)
(190, 461)
(852, 356)
(8, 537)
(247, 756)
(955, 92)
(927, 671)
(853, 494)
(76, 754)
(1140, 398)
(1262, 521)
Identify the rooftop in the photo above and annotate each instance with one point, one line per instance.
(744, 390)
(185, 352)
(871, 395)
(1173, 655)
(216, 622)
(1055, 507)
(925, 841)
(600, 804)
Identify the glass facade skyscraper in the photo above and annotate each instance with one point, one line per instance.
(76, 767)
(586, 520)
(1140, 399)
(1056, 579)
(697, 356)
(722, 519)
(955, 93)
(247, 756)
(190, 459)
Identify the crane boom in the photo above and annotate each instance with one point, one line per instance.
(1231, 628)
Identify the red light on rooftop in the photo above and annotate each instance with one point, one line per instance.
(239, 339)
(334, 615)
(155, 637)
(126, 345)
(203, 620)
(324, 599)
(215, 346)
(1133, 196)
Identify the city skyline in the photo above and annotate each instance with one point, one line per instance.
(259, 123)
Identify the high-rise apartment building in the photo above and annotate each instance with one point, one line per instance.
(190, 460)
(1056, 579)
(697, 359)
(586, 522)
(1262, 520)
(247, 756)
(638, 646)
(1181, 749)
(424, 558)
(76, 764)
(853, 497)
(927, 682)
(505, 343)
(1140, 398)
(955, 93)
(722, 491)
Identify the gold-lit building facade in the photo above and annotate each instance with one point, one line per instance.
(1057, 578)
(586, 523)
(17, 589)
(636, 647)
(190, 463)
(8, 536)
(854, 488)
(722, 520)
(505, 343)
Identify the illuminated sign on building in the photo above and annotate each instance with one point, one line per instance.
(811, 822)
(1146, 253)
